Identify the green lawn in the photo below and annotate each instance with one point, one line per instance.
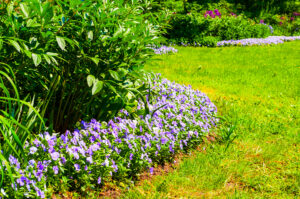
(256, 90)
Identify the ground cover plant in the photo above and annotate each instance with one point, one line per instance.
(98, 152)
(256, 90)
(266, 41)
(164, 50)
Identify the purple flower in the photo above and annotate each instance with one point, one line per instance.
(151, 170)
(164, 140)
(141, 129)
(130, 156)
(21, 181)
(31, 162)
(261, 21)
(63, 160)
(40, 166)
(55, 169)
(32, 150)
(89, 160)
(12, 160)
(54, 156)
(77, 167)
(171, 148)
(40, 194)
(115, 167)
(36, 142)
(296, 13)
(99, 180)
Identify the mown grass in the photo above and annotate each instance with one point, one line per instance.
(256, 90)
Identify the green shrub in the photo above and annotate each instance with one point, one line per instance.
(191, 28)
(79, 59)
(227, 28)
(209, 41)
(283, 24)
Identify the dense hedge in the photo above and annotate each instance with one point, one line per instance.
(207, 30)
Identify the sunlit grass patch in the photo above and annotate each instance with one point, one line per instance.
(256, 90)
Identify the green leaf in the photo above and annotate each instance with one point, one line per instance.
(61, 42)
(114, 75)
(90, 35)
(16, 45)
(51, 54)
(37, 59)
(10, 8)
(48, 60)
(112, 88)
(95, 60)
(97, 87)
(90, 80)
(24, 9)
(54, 60)
(122, 72)
(28, 53)
(1, 44)
(118, 32)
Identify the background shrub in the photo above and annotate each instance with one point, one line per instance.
(191, 28)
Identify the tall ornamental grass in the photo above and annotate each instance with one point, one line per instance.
(18, 118)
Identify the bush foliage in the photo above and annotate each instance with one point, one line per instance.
(201, 29)
(79, 59)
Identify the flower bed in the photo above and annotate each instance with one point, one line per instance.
(164, 50)
(266, 41)
(99, 152)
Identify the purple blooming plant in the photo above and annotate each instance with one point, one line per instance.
(272, 40)
(164, 50)
(178, 118)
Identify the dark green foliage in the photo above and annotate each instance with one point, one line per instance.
(259, 7)
(190, 28)
(79, 59)
(251, 7)
(208, 41)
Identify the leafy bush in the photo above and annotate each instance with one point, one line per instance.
(89, 157)
(208, 41)
(58, 49)
(283, 24)
(190, 28)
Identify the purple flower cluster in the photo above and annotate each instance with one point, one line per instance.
(260, 41)
(212, 14)
(178, 118)
(164, 50)
(296, 13)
